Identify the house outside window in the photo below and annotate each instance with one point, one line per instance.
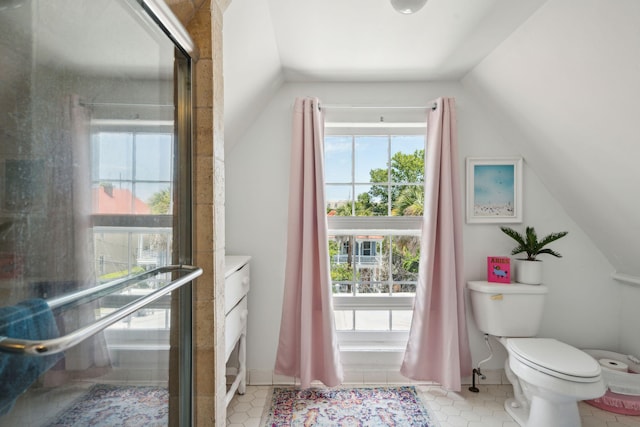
(374, 187)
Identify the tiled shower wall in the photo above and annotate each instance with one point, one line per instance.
(203, 19)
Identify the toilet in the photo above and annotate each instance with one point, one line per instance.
(549, 377)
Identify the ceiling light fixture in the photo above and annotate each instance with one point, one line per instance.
(408, 6)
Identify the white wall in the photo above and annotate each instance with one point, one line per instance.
(629, 320)
(566, 87)
(583, 305)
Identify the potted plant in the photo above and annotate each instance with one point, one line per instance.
(529, 270)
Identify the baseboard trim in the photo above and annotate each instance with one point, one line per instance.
(368, 376)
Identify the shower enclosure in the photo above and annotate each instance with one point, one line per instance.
(95, 212)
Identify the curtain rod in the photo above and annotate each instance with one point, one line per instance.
(378, 107)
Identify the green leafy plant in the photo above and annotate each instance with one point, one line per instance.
(530, 244)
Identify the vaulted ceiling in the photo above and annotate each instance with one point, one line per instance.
(267, 42)
(560, 77)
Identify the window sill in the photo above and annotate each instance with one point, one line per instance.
(372, 347)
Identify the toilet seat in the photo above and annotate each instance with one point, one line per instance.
(555, 358)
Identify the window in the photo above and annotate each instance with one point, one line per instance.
(374, 186)
(132, 172)
(132, 186)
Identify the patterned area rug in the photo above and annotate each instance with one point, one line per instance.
(108, 405)
(376, 406)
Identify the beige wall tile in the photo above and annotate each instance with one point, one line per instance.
(203, 288)
(203, 227)
(203, 191)
(204, 83)
(204, 380)
(203, 325)
(205, 412)
(204, 19)
(204, 131)
(200, 29)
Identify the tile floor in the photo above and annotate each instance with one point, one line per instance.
(50, 402)
(464, 409)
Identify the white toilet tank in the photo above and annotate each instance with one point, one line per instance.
(507, 310)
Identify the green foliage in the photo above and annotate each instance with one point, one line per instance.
(410, 202)
(341, 272)
(529, 242)
(409, 199)
(410, 260)
(160, 202)
(333, 248)
(405, 168)
(408, 167)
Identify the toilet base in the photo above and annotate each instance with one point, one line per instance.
(544, 413)
(516, 411)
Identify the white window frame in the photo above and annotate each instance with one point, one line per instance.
(132, 223)
(374, 225)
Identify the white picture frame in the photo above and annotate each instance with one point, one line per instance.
(494, 189)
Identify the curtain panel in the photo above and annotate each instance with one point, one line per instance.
(438, 346)
(308, 346)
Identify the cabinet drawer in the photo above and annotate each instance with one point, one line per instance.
(235, 323)
(236, 286)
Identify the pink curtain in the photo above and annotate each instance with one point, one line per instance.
(438, 346)
(308, 346)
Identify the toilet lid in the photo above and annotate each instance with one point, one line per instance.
(555, 358)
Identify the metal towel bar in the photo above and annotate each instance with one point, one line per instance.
(57, 345)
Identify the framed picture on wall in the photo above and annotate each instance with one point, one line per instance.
(494, 190)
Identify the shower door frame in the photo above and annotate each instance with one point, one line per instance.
(184, 225)
(185, 55)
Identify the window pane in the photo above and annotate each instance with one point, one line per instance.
(338, 199)
(119, 254)
(407, 200)
(149, 320)
(371, 155)
(151, 250)
(154, 154)
(114, 198)
(404, 288)
(371, 262)
(344, 320)
(368, 251)
(112, 255)
(337, 153)
(407, 159)
(153, 198)
(401, 320)
(369, 288)
(371, 200)
(372, 320)
(341, 288)
(113, 156)
(341, 264)
(406, 258)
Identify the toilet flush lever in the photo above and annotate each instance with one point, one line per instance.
(496, 297)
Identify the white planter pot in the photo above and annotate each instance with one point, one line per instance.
(528, 272)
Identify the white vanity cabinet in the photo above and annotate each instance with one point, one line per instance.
(236, 288)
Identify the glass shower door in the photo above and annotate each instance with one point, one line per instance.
(94, 211)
